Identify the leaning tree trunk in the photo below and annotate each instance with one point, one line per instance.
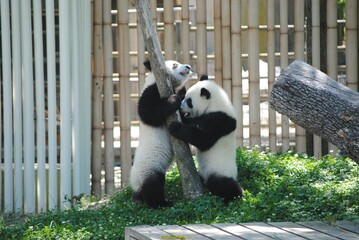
(191, 183)
(319, 104)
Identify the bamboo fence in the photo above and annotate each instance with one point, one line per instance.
(68, 124)
(332, 55)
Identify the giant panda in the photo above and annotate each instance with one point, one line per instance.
(154, 152)
(209, 124)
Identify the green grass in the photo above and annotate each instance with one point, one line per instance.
(278, 187)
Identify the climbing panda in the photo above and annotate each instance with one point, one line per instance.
(154, 152)
(209, 124)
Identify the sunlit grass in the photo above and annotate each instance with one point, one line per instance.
(278, 187)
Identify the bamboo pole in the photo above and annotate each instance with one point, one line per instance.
(40, 106)
(17, 106)
(108, 99)
(7, 107)
(253, 64)
(351, 43)
(283, 64)
(96, 161)
(226, 47)
(169, 33)
(236, 59)
(141, 70)
(332, 55)
(191, 184)
(218, 42)
(201, 37)
(153, 9)
(28, 107)
(125, 101)
(272, 121)
(51, 104)
(317, 141)
(299, 54)
(185, 32)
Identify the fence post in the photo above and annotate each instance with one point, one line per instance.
(28, 107)
(51, 104)
(108, 98)
(272, 122)
(7, 106)
(253, 64)
(65, 103)
(17, 105)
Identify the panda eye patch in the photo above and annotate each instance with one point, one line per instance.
(174, 66)
(189, 102)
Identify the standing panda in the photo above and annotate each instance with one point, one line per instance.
(154, 152)
(209, 124)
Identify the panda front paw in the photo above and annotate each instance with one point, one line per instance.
(175, 128)
(175, 101)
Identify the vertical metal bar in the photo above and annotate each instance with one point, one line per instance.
(40, 106)
(51, 104)
(17, 105)
(7, 106)
(28, 107)
(85, 41)
(76, 99)
(65, 102)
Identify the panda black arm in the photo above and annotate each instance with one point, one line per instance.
(203, 132)
(218, 124)
(192, 134)
(153, 110)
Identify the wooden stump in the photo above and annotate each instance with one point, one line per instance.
(319, 104)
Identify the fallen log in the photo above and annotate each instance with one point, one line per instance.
(319, 104)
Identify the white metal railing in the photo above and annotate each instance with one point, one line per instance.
(26, 90)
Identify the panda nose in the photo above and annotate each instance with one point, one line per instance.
(188, 67)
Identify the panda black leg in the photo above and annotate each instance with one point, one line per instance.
(152, 191)
(224, 187)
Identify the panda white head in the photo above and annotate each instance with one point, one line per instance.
(205, 97)
(181, 73)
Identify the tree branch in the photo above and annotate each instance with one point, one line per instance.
(191, 184)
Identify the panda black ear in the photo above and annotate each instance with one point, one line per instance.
(204, 77)
(147, 65)
(206, 93)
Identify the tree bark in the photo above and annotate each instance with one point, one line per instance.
(319, 104)
(191, 183)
